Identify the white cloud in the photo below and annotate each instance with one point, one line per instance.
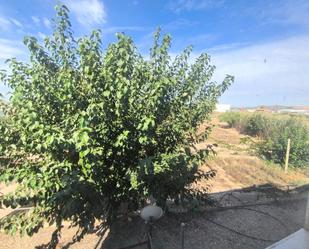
(270, 73)
(46, 22)
(288, 12)
(188, 5)
(36, 20)
(5, 24)
(87, 12)
(16, 22)
(10, 48)
(226, 47)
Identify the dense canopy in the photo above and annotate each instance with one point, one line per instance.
(87, 131)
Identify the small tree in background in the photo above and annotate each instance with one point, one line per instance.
(87, 130)
(274, 145)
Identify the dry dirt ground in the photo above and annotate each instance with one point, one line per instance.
(252, 227)
(255, 227)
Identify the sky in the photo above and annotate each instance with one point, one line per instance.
(263, 43)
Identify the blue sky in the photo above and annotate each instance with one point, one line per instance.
(263, 43)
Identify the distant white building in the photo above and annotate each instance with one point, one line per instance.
(223, 108)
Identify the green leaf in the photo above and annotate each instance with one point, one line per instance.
(84, 153)
(50, 139)
(106, 93)
(84, 137)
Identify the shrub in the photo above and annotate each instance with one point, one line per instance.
(89, 130)
(250, 124)
(274, 146)
(258, 125)
(232, 118)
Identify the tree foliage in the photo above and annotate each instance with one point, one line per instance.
(87, 130)
(274, 146)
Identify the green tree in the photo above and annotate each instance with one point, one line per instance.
(87, 130)
(274, 145)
